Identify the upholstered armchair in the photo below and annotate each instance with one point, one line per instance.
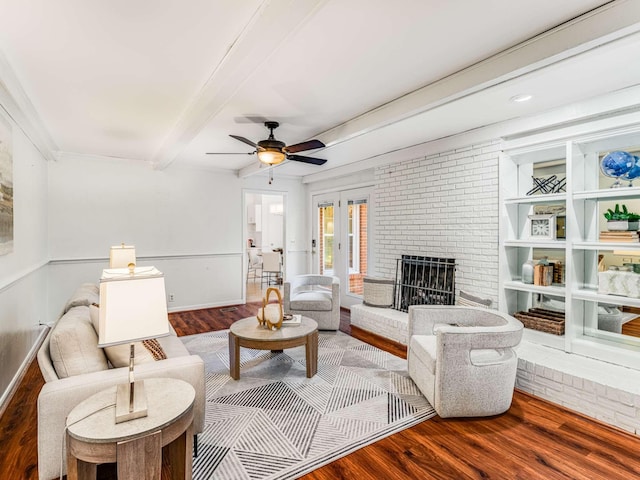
(314, 296)
(462, 358)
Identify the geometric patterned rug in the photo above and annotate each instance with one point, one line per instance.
(275, 423)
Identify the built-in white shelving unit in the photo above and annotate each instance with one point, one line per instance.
(573, 153)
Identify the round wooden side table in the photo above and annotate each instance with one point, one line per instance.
(135, 446)
(249, 334)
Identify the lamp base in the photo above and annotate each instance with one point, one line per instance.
(125, 408)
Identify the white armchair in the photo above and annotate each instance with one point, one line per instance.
(462, 358)
(314, 296)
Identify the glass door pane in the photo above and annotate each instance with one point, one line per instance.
(357, 244)
(326, 237)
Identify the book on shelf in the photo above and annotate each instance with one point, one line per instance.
(621, 233)
(620, 240)
(623, 237)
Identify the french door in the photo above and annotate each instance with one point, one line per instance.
(340, 239)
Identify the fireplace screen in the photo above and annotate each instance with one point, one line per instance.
(424, 281)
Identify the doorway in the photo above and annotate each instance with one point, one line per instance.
(341, 239)
(265, 232)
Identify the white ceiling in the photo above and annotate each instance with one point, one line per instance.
(165, 81)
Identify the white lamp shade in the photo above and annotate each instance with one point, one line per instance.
(121, 256)
(133, 307)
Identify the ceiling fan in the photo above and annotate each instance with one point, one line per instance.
(273, 152)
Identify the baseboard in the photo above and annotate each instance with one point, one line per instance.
(381, 342)
(186, 308)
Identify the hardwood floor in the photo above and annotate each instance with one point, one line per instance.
(533, 440)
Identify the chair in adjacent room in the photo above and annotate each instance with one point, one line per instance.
(314, 296)
(255, 264)
(463, 358)
(271, 268)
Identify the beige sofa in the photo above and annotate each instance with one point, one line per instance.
(74, 368)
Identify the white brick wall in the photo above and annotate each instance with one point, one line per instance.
(606, 392)
(444, 205)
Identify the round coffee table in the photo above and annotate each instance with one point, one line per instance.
(249, 334)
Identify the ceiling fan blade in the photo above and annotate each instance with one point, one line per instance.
(229, 153)
(300, 158)
(257, 119)
(244, 140)
(301, 147)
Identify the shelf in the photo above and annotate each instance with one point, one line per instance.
(592, 295)
(544, 338)
(555, 290)
(626, 246)
(577, 158)
(608, 194)
(550, 244)
(534, 199)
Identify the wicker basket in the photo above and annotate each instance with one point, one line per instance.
(543, 320)
(377, 292)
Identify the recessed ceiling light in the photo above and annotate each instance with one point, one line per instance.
(523, 97)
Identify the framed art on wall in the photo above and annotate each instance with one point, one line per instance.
(6, 187)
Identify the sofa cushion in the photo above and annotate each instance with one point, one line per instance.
(73, 345)
(315, 300)
(118, 355)
(85, 295)
(424, 348)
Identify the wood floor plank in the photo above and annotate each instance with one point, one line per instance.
(534, 440)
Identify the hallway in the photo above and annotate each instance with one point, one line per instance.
(255, 293)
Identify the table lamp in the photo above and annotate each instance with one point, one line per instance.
(133, 308)
(121, 256)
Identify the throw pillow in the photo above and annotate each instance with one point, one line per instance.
(118, 355)
(73, 345)
(155, 349)
(467, 300)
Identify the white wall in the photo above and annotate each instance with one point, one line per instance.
(444, 205)
(23, 281)
(186, 222)
(95, 204)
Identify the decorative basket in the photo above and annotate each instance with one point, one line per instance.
(270, 315)
(542, 320)
(377, 292)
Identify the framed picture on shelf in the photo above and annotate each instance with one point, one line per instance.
(542, 226)
(561, 227)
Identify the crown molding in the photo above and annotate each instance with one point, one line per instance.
(17, 105)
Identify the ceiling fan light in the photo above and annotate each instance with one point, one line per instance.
(271, 156)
